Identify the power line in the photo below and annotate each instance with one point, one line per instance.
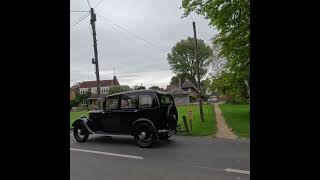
(80, 19)
(124, 29)
(78, 11)
(98, 4)
(88, 3)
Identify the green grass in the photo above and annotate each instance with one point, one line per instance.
(76, 115)
(238, 118)
(198, 128)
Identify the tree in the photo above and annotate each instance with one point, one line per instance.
(232, 19)
(182, 58)
(136, 87)
(141, 87)
(175, 79)
(118, 89)
(157, 88)
(79, 99)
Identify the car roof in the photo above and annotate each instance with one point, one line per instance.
(138, 91)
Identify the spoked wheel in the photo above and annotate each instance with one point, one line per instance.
(144, 135)
(80, 132)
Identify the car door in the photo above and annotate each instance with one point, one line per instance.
(127, 112)
(149, 107)
(110, 123)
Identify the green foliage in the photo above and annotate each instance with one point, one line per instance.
(118, 89)
(136, 87)
(157, 88)
(182, 58)
(78, 99)
(235, 88)
(232, 19)
(192, 99)
(141, 87)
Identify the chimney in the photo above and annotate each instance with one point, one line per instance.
(114, 80)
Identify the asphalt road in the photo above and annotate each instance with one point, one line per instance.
(185, 158)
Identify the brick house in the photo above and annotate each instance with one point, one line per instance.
(73, 91)
(86, 86)
(72, 94)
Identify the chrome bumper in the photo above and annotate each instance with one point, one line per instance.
(164, 130)
(170, 133)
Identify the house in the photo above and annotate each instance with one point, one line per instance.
(73, 91)
(213, 96)
(91, 86)
(72, 94)
(188, 86)
(183, 93)
(180, 97)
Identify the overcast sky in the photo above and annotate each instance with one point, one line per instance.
(136, 62)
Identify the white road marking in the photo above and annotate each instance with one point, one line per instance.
(107, 153)
(209, 168)
(237, 171)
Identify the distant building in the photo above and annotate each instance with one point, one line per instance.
(188, 86)
(180, 96)
(73, 91)
(91, 86)
(182, 93)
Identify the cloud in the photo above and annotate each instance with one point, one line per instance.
(135, 60)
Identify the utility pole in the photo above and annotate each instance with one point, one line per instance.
(95, 60)
(198, 71)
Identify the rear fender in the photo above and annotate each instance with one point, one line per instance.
(147, 121)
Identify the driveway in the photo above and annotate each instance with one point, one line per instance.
(181, 157)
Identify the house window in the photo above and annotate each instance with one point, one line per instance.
(84, 102)
(145, 101)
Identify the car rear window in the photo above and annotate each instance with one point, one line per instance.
(145, 101)
(166, 99)
(112, 102)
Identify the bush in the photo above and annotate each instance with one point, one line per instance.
(192, 99)
(91, 107)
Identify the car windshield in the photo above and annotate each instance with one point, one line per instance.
(166, 99)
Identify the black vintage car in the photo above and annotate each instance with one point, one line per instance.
(147, 115)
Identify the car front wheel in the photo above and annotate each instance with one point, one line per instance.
(80, 132)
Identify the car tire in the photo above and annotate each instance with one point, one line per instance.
(80, 132)
(144, 135)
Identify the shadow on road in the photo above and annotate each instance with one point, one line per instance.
(125, 141)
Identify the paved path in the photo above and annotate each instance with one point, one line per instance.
(223, 130)
(187, 158)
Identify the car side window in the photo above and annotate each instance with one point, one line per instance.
(145, 101)
(128, 101)
(112, 103)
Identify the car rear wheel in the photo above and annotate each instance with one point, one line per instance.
(144, 135)
(80, 132)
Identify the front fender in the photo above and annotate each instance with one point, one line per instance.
(83, 120)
